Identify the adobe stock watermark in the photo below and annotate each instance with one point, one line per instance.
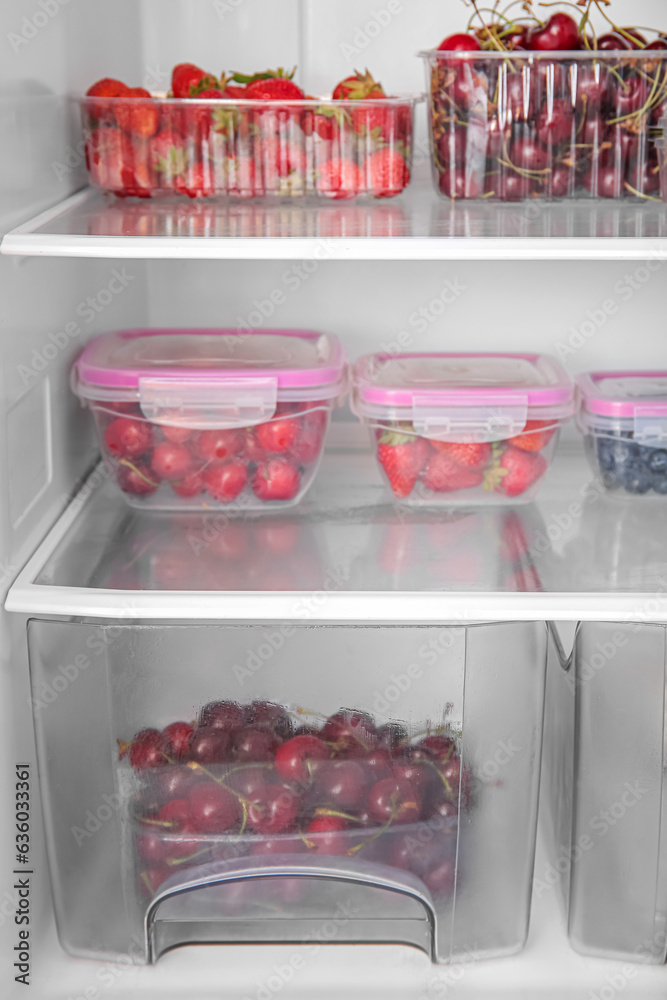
(366, 33)
(401, 682)
(32, 24)
(424, 316)
(92, 822)
(448, 978)
(87, 312)
(108, 974)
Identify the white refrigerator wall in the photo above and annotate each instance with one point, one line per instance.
(52, 49)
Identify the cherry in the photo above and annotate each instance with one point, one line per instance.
(225, 482)
(604, 182)
(636, 40)
(252, 449)
(350, 730)
(179, 735)
(559, 33)
(527, 154)
(213, 808)
(460, 184)
(611, 42)
(630, 96)
(148, 749)
(518, 39)
(177, 435)
(248, 780)
(324, 835)
(269, 715)
(190, 486)
(555, 121)
(442, 878)
(592, 87)
(150, 846)
(391, 735)
(510, 186)
(659, 43)
(452, 147)
(210, 746)
(377, 764)
(467, 87)
(276, 479)
(459, 42)
(255, 745)
(293, 758)
(151, 880)
(623, 144)
(266, 846)
(220, 444)
(439, 746)
(341, 783)
(443, 808)
(308, 444)
(272, 809)
(177, 814)
(128, 438)
(278, 436)
(644, 176)
(394, 801)
(137, 479)
(175, 782)
(171, 461)
(521, 97)
(416, 774)
(221, 715)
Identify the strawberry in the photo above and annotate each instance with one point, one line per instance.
(339, 178)
(473, 455)
(387, 173)
(187, 80)
(198, 181)
(357, 86)
(241, 181)
(444, 475)
(135, 166)
(107, 87)
(402, 456)
(104, 158)
(276, 479)
(138, 117)
(542, 433)
(372, 121)
(237, 93)
(515, 471)
(168, 158)
(271, 85)
(197, 120)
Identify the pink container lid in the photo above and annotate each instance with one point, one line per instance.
(623, 393)
(291, 358)
(462, 379)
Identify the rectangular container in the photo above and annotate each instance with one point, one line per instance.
(202, 419)
(510, 126)
(425, 794)
(623, 417)
(249, 148)
(452, 429)
(611, 858)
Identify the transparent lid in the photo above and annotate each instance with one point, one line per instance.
(488, 396)
(623, 393)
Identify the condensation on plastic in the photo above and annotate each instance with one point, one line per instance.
(251, 149)
(547, 126)
(485, 681)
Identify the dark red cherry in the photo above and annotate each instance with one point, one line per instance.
(520, 95)
(439, 746)
(555, 121)
(174, 782)
(324, 835)
(282, 844)
(644, 176)
(611, 42)
(459, 42)
(452, 147)
(350, 731)
(152, 878)
(341, 783)
(214, 809)
(222, 714)
(442, 878)
(268, 715)
(273, 809)
(604, 182)
(442, 808)
(561, 183)
(255, 745)
(248, 780)
(510, 186)
(137, 479)
(377, 764)
(149, 749)
(294, 758)
(419, 775)
(460, 184)
(468, 87)
(559, 33)
(630, 95)
(528, 154)
(394, 801)
(210, 746)
(179, 735)
(391, 735)
(149, 845)
(636, 39)
(592, 87)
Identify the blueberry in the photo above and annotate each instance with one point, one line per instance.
(637, 477)
(657, 461)
(660, 483)
(605, 454)
(624, 453)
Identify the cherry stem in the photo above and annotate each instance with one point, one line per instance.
(646, 197)
(323, 811)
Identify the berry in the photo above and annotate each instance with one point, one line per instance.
(214, 809)
(559, 33)
(276, 479)
(169, 160)
(341, 783)
(656, 460)
(516, 471)
(339, 178)
(439, 747)
(148, 748)
(222, 715)
(323, 835)
(444, 475)
(219, 445)
(637, 477)
(473, 455)
(293, 758)
(387, 173)
(190, 486)
(105, 88)
(358, 86)
(171, 461)
(138, 117)
(179, 735)
(128, 438)
(225, 482)
(277, 436)
(210, 746)
(270, 716)
(274, 88)
(394, 801)
(459, 42)
(555, 121)
(273, 809)
(350, 730)
(137, 479)
(535, 435)
(254, 745)
(177, 435)
(403, 458)
(186, 79)
(529, 155)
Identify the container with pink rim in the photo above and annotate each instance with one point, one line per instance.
(623, 417)
(211, 418)
(462, 429)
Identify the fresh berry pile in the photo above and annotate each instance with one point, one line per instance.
(419, 468)
(246, 781)
(509, 123)
(624, 464)
(235, 136)
(270, 462)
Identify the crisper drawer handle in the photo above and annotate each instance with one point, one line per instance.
(208, 403)
(651, 424)
(445, 417)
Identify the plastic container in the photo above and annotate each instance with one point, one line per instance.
(201, 419)
(408, 816)
(623, 417)
(525, 125)
(661, 150)
(451, 429)
(248, 149)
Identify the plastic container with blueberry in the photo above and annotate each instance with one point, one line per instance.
(623, 417)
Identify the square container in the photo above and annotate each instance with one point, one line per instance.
(605, 782)
(249, 148)
(406, 816)
(205, 419)
(623, 417)
(451, 429)
(511, 126)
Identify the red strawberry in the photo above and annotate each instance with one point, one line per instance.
(543, 431)
(237, 93)
(339, 178)
(444, 475)
(402, 456)
(138, 117)
(241, 177)
(387, 173)
(515, 471)
(473, 455)
(372, 121)
(270, 86)
(104, 158)
(107, 87)
(187, 80)
(198, 181)
(359, 85)
(168, 157)
(277, 479)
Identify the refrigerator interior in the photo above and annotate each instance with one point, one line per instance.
(593, 307)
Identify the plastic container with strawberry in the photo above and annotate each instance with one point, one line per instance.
(247, 136)
(452, 429)
(201, 419)
(623, 417)
(522, 108)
